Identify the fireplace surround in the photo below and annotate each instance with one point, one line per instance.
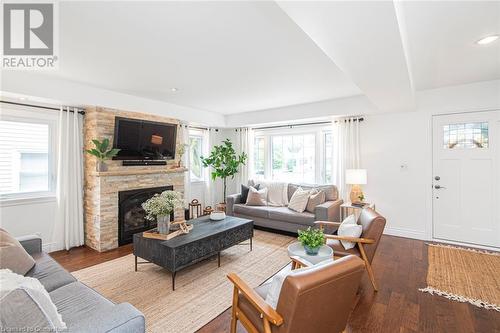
(131, 216)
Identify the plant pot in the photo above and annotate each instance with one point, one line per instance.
(163, 224)
(312, 251)
(101, 166)
(220, 207)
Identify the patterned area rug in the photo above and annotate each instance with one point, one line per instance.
(464, 275)
(202, 291)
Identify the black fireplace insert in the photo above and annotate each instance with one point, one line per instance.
(131, 216)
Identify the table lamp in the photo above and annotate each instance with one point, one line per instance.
(356, 178)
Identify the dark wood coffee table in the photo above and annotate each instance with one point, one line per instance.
(207, 238)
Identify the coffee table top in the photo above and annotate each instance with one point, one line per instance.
(203, 228)
(296, 249)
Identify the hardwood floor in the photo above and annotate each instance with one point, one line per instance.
(400, 268)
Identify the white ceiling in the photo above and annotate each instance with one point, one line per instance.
(233, 57)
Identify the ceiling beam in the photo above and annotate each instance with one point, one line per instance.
(363, 39)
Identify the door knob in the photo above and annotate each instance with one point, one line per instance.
(437, 187)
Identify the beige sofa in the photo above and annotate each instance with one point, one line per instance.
(283, 218)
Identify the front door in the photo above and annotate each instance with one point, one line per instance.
(466, 178)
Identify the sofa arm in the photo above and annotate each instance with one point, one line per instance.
(121, 318)
(31, 243)
(231, 200)
(328, 211)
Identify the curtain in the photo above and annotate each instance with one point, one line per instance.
(69, 212)
(345, 150)
(210, 139)
(243, 144)
(186, 161)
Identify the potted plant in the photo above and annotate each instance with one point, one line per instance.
(224, 162)
(312, 240)
(103, 152)
(181, 150)
(160, 206)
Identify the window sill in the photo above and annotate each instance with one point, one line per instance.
(6, 202)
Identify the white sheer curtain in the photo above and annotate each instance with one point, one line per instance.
(186, 162)
(70, 177)
(345, 150)
(210, 139)
(243, 144)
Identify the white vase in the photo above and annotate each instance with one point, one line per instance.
(163, 224)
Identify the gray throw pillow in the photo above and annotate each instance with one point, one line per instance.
(316, 198)
(13, 256)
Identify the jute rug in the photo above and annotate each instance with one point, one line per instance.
(202, 291)
(464, 275)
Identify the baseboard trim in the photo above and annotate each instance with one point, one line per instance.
(468, 245)
(406, 233)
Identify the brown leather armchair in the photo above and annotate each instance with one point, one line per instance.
(366, 245)
(318, 299)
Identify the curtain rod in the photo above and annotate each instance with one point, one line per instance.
(302, 124)
(199, 128)
(80, 111)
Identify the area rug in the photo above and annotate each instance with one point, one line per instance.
(464, 275)
(202, 291)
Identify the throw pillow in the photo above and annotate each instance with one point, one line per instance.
(13, 255)
(257, 197)
(244, 191)
(298, 202)
(349, 228)
(35, 292)
(316, 198)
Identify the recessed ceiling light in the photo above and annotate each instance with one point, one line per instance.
(487, 40)
(22, 98)
(174, 89)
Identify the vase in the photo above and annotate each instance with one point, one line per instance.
(101, 166)
(163, 224)
(312, 251)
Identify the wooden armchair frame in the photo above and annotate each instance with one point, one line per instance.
(359, 242)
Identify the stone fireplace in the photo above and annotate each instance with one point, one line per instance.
(102, 189)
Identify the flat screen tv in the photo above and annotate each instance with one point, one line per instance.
(144, 140)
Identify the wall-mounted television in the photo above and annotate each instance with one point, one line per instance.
(144, 140)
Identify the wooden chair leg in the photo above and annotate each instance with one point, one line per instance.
(234, 319)
(368, 266)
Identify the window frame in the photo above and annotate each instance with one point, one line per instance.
(38, 116)
(319, 131)
(199, 135)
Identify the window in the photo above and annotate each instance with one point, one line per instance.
(259, 159)
(195, 153)
(466, 135)
(27, 167)
(293, 158)
(327, 157)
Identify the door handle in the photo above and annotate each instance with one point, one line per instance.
(437, 187)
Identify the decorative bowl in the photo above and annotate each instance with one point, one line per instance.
(217, 216)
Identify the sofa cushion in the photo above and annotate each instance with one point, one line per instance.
(259, 211)
(257, 197)
(317, 197)
(244, 191)
(331, 192)
(299, 199)
(49, 272)
(13, 256)
(338, 249)
(288, 215)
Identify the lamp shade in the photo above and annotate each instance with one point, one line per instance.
(355, 176)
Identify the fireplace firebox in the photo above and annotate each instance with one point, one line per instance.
(131, 216)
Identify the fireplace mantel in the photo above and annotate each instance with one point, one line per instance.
(132, 171)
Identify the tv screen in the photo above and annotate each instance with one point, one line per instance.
(144, 140)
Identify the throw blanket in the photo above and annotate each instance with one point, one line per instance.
(277, 192)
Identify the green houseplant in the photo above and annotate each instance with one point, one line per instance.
(103, 152)
(224, 162)
(312, 240)
(160, 206)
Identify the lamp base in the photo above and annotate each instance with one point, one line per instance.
(356, 192)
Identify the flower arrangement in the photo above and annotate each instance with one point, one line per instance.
(311, 239)
(162, 204)
(181, 150)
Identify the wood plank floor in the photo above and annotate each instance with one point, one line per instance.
(400, 268)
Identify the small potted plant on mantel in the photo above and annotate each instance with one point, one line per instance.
(103, 152)
(160, 206)
(311, 239)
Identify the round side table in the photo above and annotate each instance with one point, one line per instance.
(296, 249)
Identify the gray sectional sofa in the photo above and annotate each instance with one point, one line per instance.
(82, 308)
(283, 218)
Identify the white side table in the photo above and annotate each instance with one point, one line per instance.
(296, 249)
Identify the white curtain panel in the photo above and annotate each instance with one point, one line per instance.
(70, 177)
(244, 139)
(210, 139)
(345, 150)
(186, 161)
